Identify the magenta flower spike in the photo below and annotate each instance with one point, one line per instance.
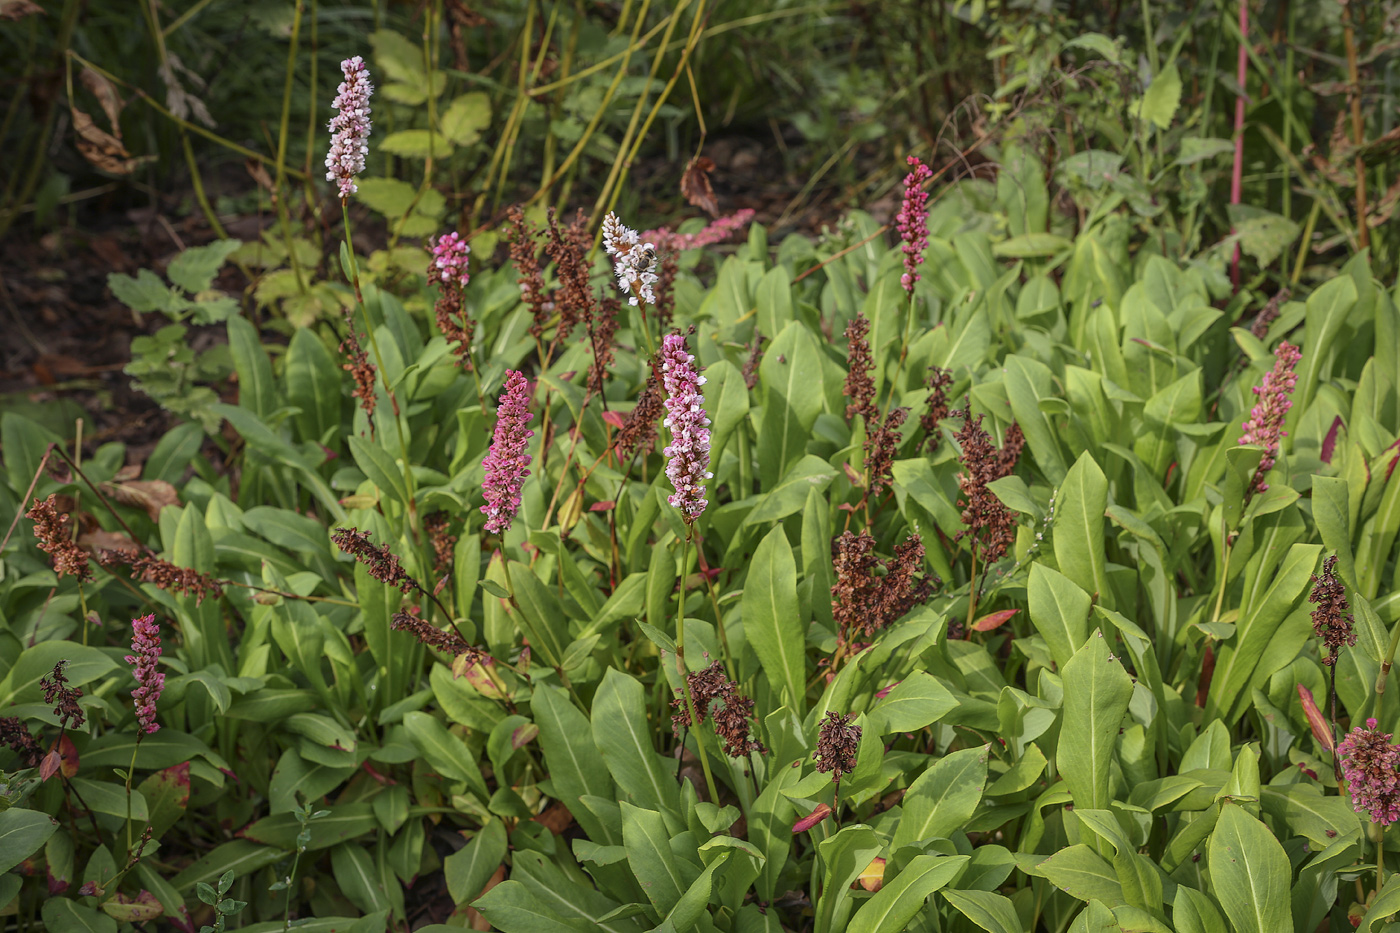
(450, 254)
(1265, 425)
(718, 231)
(913, 222)
(145, 660)
(1368, 766)
(507, 460)
(688, 457)
(634, 262)
(350, 127)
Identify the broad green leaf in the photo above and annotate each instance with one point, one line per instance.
(512, 908)
(1250, 873)
(771, 621)
(1078, 535)
(194, 269)
(790, 493)
(61, 913)
(357, 879)
(22, 833)
(919, 700)
(465, 118)
(379, 467)
(445, 752)
(648, 846)
(239, 856)
(1028, 383)
(469, 868)
(1158, 104)
(1082, 873)
(791, 372)
(843, 857)
(895, 904)
(991, 912)
(1097, 691)
(623, 738)
(1059, 611)
(943, 798)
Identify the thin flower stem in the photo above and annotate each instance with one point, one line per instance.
(685, 679)
(411, 505)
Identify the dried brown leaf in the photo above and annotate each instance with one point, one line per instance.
(18, 9)
(695, 185)
(149, 494)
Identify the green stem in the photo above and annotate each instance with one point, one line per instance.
(411, 506)
(680, 669)
(282, 134)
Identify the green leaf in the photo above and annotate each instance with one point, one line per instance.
(381, 468)
(1032, 246)
(312, 384)
(919, 700)
(341, 823)
(195, 268)
(623, 738)
(1158, 105)
(1059, 611)
(648, 846)
(1250, 873)
(843, 856)
(1263, 235)
(145, 294)
(771, 621)
(943, 798)
(416, 144)
(511, 908)
(465, 118)
(85, 664)
(61, 913)
(256, 390)
(991, 912)
(239, 856)
(791, 371)
(1028, 383)
(446, 753)
(1080, 872)
(895, 904)
(470, 867)
(1385, 904)
(1079, 539)
(1097, 691)
(357, 879)
(540, 614)
(790, 493)
(22, 833)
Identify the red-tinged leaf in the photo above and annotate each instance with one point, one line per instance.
(614, 418)
(1329, 443)
(69, 753)
(138, 909)
(607, 505)
(1321, 729)
(993, 620)
(568, 376)
(381, 778)
(855, 478)
(524, 735)
(28, 868)
(90, 889)
(57, 885)
(821, 812)
(50, 765)
(886, 692)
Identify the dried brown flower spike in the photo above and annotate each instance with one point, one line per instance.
(63, 698)
(838, 743)
(1332, 620)
(862, 602)
(859, 387)
(938, 381)
(182, 580)
(51, 528)
(379, 561)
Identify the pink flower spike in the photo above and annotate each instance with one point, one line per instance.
(1264, 427)
(688, 457)
(450, 260)
(913, 222)
(507, 460)
(350, 127)
(717, 232)
(145, 659)
(1368, 766)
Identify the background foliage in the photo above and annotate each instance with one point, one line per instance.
(1105, 728)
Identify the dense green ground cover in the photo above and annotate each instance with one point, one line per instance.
(1036, 594)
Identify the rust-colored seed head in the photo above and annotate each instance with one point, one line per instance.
(1332, 620)
(569, 250)
(859, 387)
(359, 367)
(63, 698)
(51, 528)
(880, 449)
(938, 381)
(420, 628)
(436, 525)
(638, 431)
(718, 699)
(182, 580)
(15, 734)
(990, 524)
(525, 256)
(838, 743)
(863, 602)
(379, 561)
